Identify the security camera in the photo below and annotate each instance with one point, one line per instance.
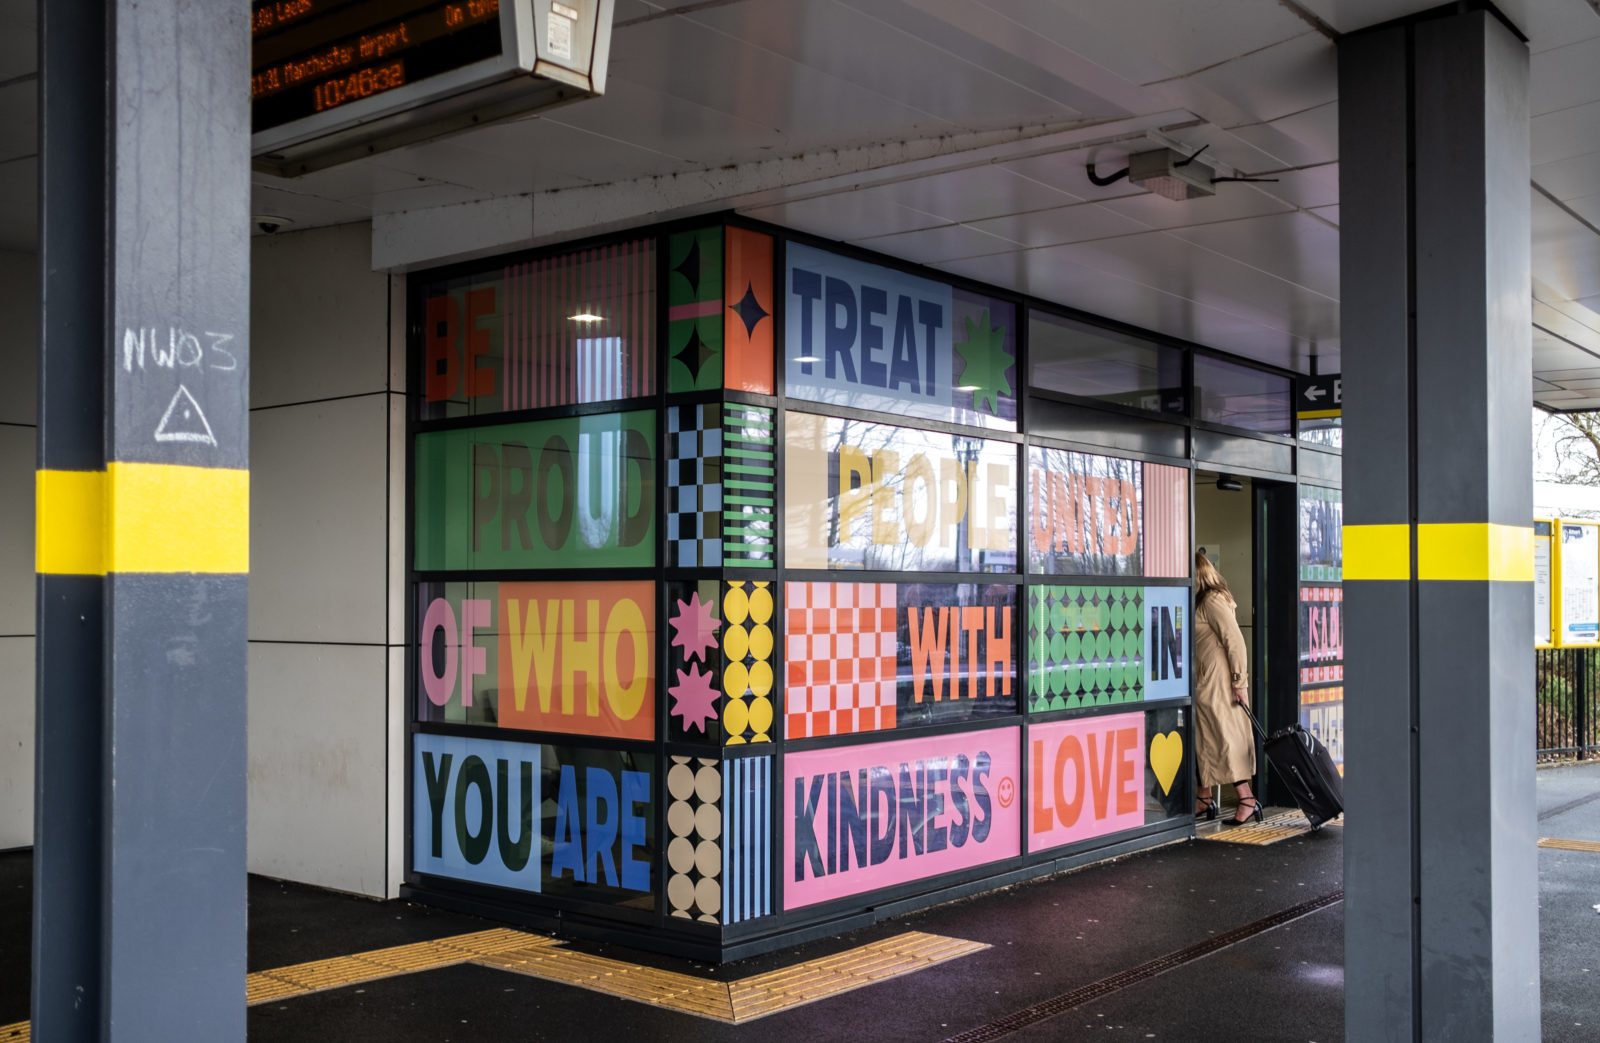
(268, 223)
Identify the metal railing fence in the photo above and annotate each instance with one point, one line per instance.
(1565, 684)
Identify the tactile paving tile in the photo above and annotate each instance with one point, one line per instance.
(831, 975)
(1276, 827)
(21, 1032)
(1564, 845)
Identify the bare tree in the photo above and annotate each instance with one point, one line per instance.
(1574, 447)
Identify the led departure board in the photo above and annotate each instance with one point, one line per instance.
(310, 56)
(333, 80)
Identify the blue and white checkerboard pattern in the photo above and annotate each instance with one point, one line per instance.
(694, 485)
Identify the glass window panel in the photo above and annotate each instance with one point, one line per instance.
(567, 493)
(866, 657)
(550, 657)
(1242, 397)
(871, 337)
(556, 820)
(1075, 358)
(877, 497)
(1086, 514)
(556, 331)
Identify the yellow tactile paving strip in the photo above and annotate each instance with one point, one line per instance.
(1275, 828)
(546, 958)
(1564, 845)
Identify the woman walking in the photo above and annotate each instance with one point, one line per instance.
(1225, 750)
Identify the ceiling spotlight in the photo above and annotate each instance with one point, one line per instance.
(1228, 483)
(808, 359)
(968, 387)
(584, 316)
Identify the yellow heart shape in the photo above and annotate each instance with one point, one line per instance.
(1166, 754)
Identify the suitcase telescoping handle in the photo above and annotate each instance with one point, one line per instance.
(1259, 730)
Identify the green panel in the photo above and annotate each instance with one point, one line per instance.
(694, 310)
(569, 493)
(1085, 646)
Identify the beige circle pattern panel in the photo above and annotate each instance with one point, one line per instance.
(694, 852)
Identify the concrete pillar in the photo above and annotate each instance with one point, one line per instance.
(1441, 873)
(142, 522)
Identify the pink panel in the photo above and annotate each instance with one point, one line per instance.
(864, 817)
(1166, 521)
(1087, 777)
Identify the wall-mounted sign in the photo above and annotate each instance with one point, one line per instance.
(1578, 584)
(568, 493)
(868, 657)
(1319, 398)
(1543, 535)
(332, 82)
(871, 337)
(878, 497)
(1087, 777)
(556, 657)
(534, 817)
(859, 818)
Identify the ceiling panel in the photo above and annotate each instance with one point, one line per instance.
(970, 194)
(1167, 40)
(1288, 77)
(1566, 178)
(19, 114)
(935, 245)
(1566, 133)
(847, 216)
(1297, 140)
(1563, 77)
(1231, 203)
(1068, 224)
(1566, 252)
(19, 180)
(1295, 247)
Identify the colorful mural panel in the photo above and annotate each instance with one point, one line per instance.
(473, 817)
(1085, 646)
(868, 657)
(694, 662)
(559, 657)
(878, 497)
(748, 326)
(1167, 783)
(747, 799)
(1086, 778)
(860, 818)
(694, 310)
(1166, 522)
(721, 485)
(749, 679)
(862, 335)
(1321, 534)
(571, 493)
(1084, 519)
(1322, 714)
(563, 330)
(1321, 635)
(1166, 657)
(695, 847)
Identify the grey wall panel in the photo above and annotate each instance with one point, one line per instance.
(1049, 418)
(1218, 451)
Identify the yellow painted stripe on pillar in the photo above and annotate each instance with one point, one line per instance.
(1377, 552)
(1475, 552)
(143, 518)
(69, 522)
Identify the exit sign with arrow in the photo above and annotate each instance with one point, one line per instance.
(1319, 398)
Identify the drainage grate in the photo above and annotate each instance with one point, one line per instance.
(1121, 980)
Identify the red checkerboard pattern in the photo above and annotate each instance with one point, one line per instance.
(841, 661)
(1322, 674)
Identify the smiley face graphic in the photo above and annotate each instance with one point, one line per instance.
(1008, 792)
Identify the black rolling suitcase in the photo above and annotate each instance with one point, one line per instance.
(1305, 767)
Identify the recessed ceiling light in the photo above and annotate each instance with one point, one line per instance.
(584, 316)
(967, 387)
(807, 358)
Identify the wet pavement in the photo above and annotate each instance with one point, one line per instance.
(1195, 941)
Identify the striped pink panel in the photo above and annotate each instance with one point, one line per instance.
(550, 360)
(1166, 521)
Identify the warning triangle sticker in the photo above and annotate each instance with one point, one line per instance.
(184, 421)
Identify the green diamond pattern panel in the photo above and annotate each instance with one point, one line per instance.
(1085, 647)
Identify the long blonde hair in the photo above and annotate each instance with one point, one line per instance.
(1208, 581)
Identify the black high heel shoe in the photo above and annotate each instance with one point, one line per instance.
(1254, 810)
(1210, 809)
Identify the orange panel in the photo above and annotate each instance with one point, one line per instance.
(578, 657)
(747, 318)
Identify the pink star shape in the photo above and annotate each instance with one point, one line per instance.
(694, 699)
(694, 628)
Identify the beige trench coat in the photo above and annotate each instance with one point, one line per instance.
(1225, 750)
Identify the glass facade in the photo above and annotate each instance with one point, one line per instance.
(1242, 397)
(640, 575)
